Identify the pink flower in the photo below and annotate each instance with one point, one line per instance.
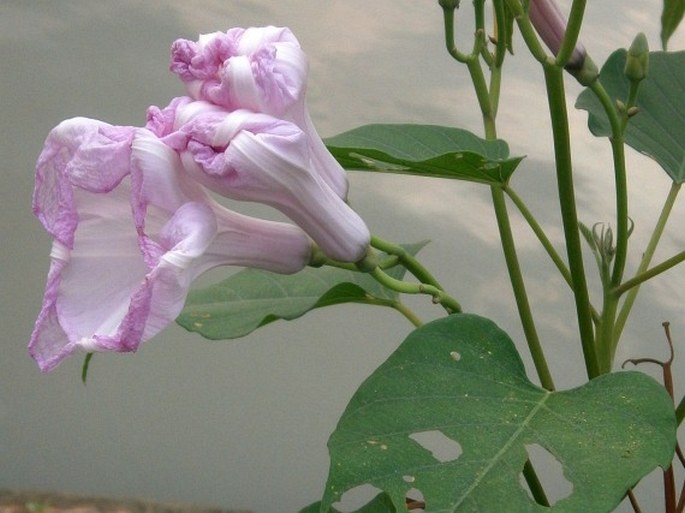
(259, 69)
(255, 157)
(131, 232)
(550, 23)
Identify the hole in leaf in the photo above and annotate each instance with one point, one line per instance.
(550, 473)
(415, 500)
(442, 447)
(354, 498)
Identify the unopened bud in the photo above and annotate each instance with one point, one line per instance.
(632, 111)
(550, 24)
(637, 60)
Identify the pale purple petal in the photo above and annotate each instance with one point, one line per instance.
(255, 157)
(161, 121)
(135, 247)
(83, 153)
(90, 284)
(257, 243)
(262, 69)
(163, 186)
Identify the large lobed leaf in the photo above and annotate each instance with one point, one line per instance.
(424, 150)
(658, 129)
(252, 298)
(461, 377)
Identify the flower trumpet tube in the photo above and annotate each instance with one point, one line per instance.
(262, 69)
(550, 24)
(255, 157)
(131, 232)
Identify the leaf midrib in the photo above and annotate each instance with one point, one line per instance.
(515, 435)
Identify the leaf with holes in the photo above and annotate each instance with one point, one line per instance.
(253, 298)
(381, 503)
(658, 129)
(451, 415)
(424, 150)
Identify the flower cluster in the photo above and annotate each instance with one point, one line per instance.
(130, 208)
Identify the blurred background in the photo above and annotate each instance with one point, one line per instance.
(244, 423)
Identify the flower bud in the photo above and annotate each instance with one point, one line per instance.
(633, 111)
(550, 24)
(637, 60)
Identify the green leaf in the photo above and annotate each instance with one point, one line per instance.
(671, 16)
(461, 378)
(253, 298)
(658, 129)
(425, 150)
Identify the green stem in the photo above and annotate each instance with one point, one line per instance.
(386, 263)
(562, 152)
(501, 43)
(506, 235)
(448, 18)
(540, 234)
(607, 333)
(495, 88)
(618, 152)
(622, 219)
(605, 329)
(528, 32)
(534, 484)
(479, 14)
(519, 287)
(408, 313)
(650, 273)
(439, 296)
(395, 305)
(644, 263)
(407, 260)
(568, 44)
(544, 241)
(481, 33)
(340, 265)
(483, 95)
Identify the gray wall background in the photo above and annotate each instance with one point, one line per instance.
(244, 423)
